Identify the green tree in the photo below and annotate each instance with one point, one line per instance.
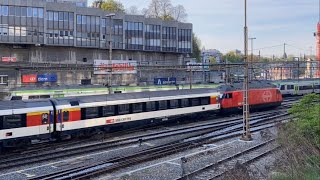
(232, 57)
(109, 5)
(196, 44)
(212, 60)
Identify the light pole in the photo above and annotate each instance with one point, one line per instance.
(252, 57)
(246, 124)
(110, 51)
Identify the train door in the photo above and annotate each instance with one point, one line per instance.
(296, 90)
(59, 123)
(46, 126)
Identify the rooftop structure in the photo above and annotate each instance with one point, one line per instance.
(80, 3)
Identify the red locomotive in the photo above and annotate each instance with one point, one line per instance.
(261, 95)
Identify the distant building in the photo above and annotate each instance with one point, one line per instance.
(238, 52)
(209, 53)
(79, 3)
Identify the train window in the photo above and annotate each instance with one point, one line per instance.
(305, 87)
(195, 101)
(282, 87)
(290, 87)
(123, 109)
(174, 103)
(65, 115)
(45, 118)
(108, 111)
(205, 100)
(228, 96)
(151, 106)
(16, 98)
(74, 103)
(13, 121)
(185, 103)
(90, 113)
(163, 105)
(34, 97)
(317, 86)
(44, 96)
(137, 107)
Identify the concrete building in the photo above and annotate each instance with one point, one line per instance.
(208, 53)
(34, 30)
(38, 31)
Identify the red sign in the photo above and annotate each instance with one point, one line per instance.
(9, 59)
(109, 121)
(29, 78)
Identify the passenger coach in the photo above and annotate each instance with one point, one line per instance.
(24, 121)
(115, 111)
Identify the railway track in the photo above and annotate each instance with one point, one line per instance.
(222, 166)
(194, 131)
(109, 165)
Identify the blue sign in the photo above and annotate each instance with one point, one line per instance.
(165, 81)
(47, 78)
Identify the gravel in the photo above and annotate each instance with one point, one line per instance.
(170, 167)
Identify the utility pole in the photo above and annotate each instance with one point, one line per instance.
(190, 77)
(251, 76)
(246, 136)
(227, 71)
(284, 51)
(110, 52)
(310, 64)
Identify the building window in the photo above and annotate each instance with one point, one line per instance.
(40, 12)
(4, 10)
(35, 12)
(24, 11)
(29, 11)
(12, 11)
(18, 11)
(3, 79)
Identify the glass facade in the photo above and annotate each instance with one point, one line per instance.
(60, 28)
(117, 33)
(25, 24)
(153, 37)
(169, 39)
(134, 35)
(88, 31)
(21, 24)
(184, 40)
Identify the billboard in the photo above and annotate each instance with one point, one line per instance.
(47, 78)
(118, 67)
(165, 81)
(9, 59)
(197, 66)
(29, 78)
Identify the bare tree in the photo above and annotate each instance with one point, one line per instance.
(164, 9)
(179, 13)
(133, 10)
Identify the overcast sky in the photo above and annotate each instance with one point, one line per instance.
(219, 23)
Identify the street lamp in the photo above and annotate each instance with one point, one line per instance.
(110, 51)
(252, 57)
